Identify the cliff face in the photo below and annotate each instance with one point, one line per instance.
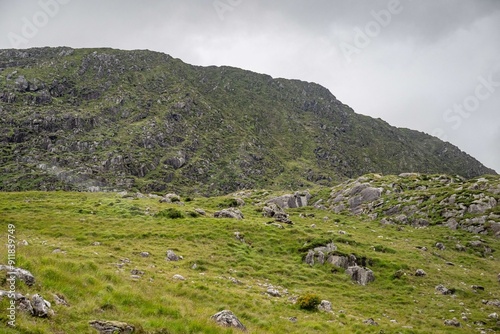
(84, 118)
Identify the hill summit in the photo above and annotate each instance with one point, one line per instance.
(104, 119)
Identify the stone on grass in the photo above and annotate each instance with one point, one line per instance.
(112, 327)
(440, 246)
(370, 322)
(420, 273)
(452, 322)
(273, 292)
(226, 318)
(360, 275)
(178, 277)
(41, 307)
(21, 274)
(171, 256)
(229, 213)
(444, 291)
(325, 306)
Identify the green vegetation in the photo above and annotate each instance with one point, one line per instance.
(309, 301)
(144, 121)
(101, 236)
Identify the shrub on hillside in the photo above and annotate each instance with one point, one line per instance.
(308, 301)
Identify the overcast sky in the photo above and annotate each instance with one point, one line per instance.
(428, 65)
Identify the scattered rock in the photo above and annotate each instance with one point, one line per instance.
(226, 318)
(144, 254)
(420, 273)
(495, 302)
(60, 299)
(21, 274)
(293, 319)
(477, 287)
(239, 237)
(41, 307)
(112, 327)
(370, 322)
(171, 256)
(493, 315)
(360, 275)
(453, 322)
(137, 272)
(178, 277)
(325, 306)
(440, 246)
(443, 290)
(273, 292)
(229, 213)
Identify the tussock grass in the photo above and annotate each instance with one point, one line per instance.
(101, 235)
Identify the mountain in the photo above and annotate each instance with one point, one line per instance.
(88, 119)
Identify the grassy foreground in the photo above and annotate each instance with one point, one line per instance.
(100, 237)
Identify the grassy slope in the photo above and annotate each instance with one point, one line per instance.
(96, 288)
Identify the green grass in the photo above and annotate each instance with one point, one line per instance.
(95, 278)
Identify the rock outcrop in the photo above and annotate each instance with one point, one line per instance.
(470, 205)
(226, 318)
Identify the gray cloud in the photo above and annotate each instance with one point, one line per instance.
(426, 59)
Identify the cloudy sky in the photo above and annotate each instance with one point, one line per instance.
(428, 65)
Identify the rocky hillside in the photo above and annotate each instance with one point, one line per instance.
(423, 200)
(108, 119)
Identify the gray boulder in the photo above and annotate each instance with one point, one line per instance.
(171, 256)
(452, 322)
(226, 318)
(342, 261)
(443, 290)
(420, 273)
(229, 213)
(112, 327)
(20, 274)
(325, 306)
(297, 200)
(41, 307)
(360, 275)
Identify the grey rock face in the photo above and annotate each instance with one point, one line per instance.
(360, 275)
(112, 327)
(226, 318)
